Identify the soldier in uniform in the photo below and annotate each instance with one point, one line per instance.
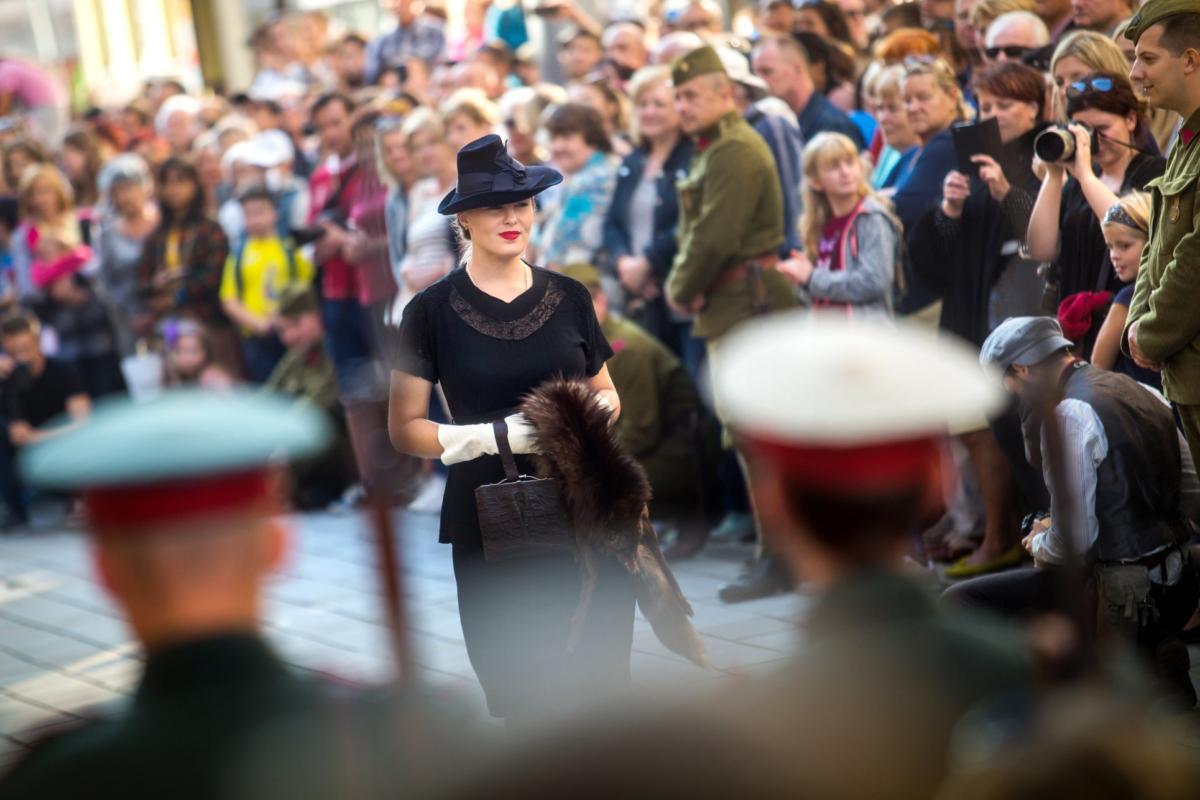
(306, 373)
(730, 232)
(843, 425)
(181, 496)
(663, 423)
(1163, 329)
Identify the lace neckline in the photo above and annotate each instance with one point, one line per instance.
(515, 320)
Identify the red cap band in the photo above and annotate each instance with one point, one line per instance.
(147, 504)
(890, 465)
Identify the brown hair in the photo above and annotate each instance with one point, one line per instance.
(1014, 81)
(28, 146)
(84, 141)
(18, 322)
(578, 118)
(1120, 100)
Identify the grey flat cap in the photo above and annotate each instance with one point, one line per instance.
(1023, 341)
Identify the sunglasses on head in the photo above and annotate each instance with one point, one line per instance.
(1101, 84)
(1012, 51)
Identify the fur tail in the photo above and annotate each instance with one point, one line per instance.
(662, 602)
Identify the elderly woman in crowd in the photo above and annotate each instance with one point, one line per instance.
(521, 110)
(127, 188)
(900, 143)
(934, 102)
(430, 251)
(467, 115)
(640, 226)
(571, 224)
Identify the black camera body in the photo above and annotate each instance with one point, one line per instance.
(1056, 144)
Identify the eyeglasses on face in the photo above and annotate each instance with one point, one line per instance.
(1012, 51)
(1100, 84)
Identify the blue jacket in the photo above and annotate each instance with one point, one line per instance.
(916, 193)
(787, 146)
(617, 235)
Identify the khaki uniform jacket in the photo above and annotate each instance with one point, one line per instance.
(308, 374)
(661, 424)
(730, 210)
(1166, 297)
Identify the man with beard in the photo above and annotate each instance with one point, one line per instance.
(1121, 485)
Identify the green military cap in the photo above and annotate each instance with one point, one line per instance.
(586, 274)
(297, 299)
(1156, 11)
(701, 61)
(180, 436)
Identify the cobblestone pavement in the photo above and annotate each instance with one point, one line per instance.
(64, 650)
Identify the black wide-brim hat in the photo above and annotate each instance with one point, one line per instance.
(489, 176)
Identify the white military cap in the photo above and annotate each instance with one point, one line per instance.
(843, 402)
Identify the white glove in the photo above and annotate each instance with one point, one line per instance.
(468, 442)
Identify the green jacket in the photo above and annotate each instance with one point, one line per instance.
(222, 718)
(1165, 298)
(730, 210)
(308, 374)
(661, 423)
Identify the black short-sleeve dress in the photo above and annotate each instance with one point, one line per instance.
(487, 354)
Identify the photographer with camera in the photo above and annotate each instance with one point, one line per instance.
(1088, 164)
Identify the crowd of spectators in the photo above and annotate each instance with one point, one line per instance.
(159, 238)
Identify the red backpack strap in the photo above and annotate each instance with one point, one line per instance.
(849, 234)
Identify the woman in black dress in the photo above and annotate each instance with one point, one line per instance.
(489, 333)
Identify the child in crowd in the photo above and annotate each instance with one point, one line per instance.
(50, 242)
(1125, 227)
(851, 237)
(258, 268)
(190, 360)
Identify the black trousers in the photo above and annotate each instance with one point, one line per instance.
(1023, 593)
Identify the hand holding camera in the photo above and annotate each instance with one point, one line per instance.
(1068, 147)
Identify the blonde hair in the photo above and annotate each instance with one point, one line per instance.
(1095, 51)
(473, 104)
(823, 150)
(943, 75)
(66, 226)
(643, 80)
(886, 81)
(1137, 206)
(423, 121)
(988, 11)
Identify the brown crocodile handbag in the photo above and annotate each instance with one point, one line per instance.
(521, 516)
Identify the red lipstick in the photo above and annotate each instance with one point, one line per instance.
(510, 235)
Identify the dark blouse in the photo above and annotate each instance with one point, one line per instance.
(487, 354)
(1083, 262)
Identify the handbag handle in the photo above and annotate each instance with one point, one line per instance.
(500, 427)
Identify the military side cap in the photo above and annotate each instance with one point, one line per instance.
(1156, 11)
(297, 299)
(186, 453)
(586, 274)
(701, 61)
(848, 405)
(1023, 341)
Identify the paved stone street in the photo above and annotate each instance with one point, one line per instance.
(64, 649)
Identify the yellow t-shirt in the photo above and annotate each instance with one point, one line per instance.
(265, 274)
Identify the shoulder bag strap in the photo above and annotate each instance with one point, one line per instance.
(506, 454)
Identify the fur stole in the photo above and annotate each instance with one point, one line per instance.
(605, 492)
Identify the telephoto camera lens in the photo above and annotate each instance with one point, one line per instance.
(1054, 144)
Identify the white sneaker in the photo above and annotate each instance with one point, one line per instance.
(429, 498)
